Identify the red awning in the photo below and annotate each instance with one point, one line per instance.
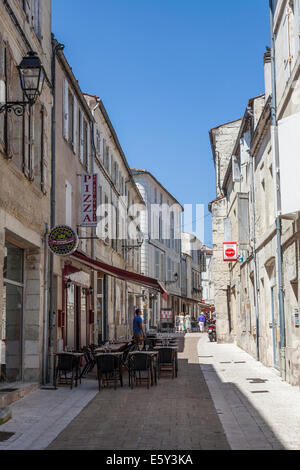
(119, 273)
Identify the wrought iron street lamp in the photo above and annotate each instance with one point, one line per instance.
(139, 240)
(32, 80)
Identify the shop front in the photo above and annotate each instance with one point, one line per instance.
(76, 318)
(20, 311)
(11, 320)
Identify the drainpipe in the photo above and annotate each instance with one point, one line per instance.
(45, 315)
(278, 221)
(55, 48)
(254, 256)
(94, 228)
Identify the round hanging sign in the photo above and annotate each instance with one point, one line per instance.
(62, 240)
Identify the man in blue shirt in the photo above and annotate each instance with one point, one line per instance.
(202, 321)
(138, 330)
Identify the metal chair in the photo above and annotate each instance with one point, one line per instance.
(65, 370)
(109, 370)
(138, 363)
(167, 361)
(89, 362)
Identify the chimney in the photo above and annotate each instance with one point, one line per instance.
(268, 77)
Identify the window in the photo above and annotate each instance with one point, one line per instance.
(11, 315)
(157, 259)
(86, 145)
(38, 153)
(36, 12)
(70, 117)
(296, 29)
(33, 11)
(65, 116)
(81, 136)
(162, 267)
(68, 204)
(169, 275)
(286, 45)
(106, 156)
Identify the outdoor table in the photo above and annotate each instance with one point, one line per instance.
(152, 354)
(78, 356)
(116, 347)
(116, 353)
(157, 348)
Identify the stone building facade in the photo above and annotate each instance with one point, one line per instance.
(25, 156)
(73, 299)
(161, 251)
(118, 229)
(259, 308)
(207, 277)
(92, 306)
(194, 264)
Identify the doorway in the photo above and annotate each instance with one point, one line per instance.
(77, 317)
(11, 318)
(275, 324)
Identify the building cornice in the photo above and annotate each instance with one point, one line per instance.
(137, 171)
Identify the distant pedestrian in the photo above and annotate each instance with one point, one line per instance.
(138, 330)
(202, 322)
(181, 323)
(187, 323)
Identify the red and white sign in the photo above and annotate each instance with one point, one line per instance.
(166, 314)
(230, 251)
(89, 200)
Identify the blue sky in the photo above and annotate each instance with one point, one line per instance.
(168, 71)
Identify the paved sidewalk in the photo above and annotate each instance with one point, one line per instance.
(40, 416)
(263, 414)
(176, 414)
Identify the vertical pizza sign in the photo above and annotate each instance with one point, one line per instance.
(230, 251)
(89, 200)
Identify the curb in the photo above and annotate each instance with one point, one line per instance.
(5, 415)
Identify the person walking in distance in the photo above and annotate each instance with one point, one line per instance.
(188, 323)
(202, 322)
(138, 330)
(181, 323)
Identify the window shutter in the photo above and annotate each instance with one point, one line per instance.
(65, 110)
(236, 172)
(169, 270)
(27, 9)
(244, 146)
(68, 204)
(97, 139)
(243, 220)
(2, 71)
(81, 142)
(88, 146)
(157, 264)
(75, 112)
(101, 153)
(286, 48)
(117, 177)
(296, 28)
(227, 231)
(36, 13)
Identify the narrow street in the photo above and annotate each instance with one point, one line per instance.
(222, 399)
(177, 414)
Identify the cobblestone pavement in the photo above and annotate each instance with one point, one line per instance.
(176, 414)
